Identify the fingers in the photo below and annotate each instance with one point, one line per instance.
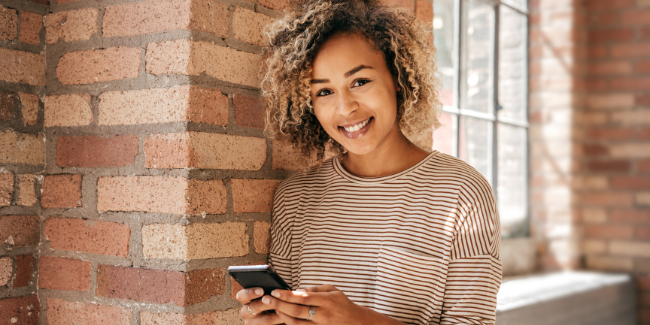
(321, 288)
(292, 310)
(294, 321)
(296, 297)
(245, 296)
(260, 319)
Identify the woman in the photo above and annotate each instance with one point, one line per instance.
(384, 232)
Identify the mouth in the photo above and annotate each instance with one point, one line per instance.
(356, 131)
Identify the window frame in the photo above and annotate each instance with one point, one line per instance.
(457, 112)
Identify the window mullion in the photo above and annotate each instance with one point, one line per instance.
(458, 27)
(495, 100)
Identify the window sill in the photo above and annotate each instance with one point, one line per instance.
(568, 298)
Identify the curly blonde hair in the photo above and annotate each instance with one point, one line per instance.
(292, 44)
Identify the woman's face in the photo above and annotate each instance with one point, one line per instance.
(354, 94)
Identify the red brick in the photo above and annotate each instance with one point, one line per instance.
(60, 312)
(642, 233)
(643, 100)
(611, 35)
(22, 231)
(71, 25)
(61, 273)
(594, 149)
(252, 195)
(608, 199)
(636, 17)
(61, 191)
(80, 235)
(234, 288)
(275, 4)
(424, 11)
(159, 286)
(6, 189)
(631, 83)
(67, 110)
(643, 66)
(23, 309)
(96, 151)
(597, 52)
(611, 133)
(7, 101)
(609, 4)
(22, 67)
(634, 182)
(609, 166)
(262, 237)
(610, 68)
(644, 33)
(610, 231)
(249, 111)
(595, 85)
(636, 49)
(643, 282)
(248, 26)
(6, 270)
(25, 265)
(30, 27)
(8, 24)
(643, 166)
(27, 195)
(42, 2)
(99, 65)
(643, 134)
(632, 216)
(604, 18)
(65, 1)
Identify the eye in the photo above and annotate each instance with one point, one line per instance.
(360, 82)
(323, 92)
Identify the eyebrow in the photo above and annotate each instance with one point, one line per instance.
(347, 74)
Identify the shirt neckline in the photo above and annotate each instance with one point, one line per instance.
(377, 180)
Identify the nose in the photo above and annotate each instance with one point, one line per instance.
(347, 103)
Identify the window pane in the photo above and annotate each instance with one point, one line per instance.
(512, 64)
(444, 138)
(475, 144)
(477, 56)
(511, 188)
(443, 39)
(520, 4)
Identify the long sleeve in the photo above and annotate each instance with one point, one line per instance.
(280, 250)
(475, 270)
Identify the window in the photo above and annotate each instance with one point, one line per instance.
(483, 61)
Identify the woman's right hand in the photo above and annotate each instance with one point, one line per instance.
(249, 298)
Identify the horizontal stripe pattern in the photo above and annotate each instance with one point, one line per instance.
(421, 246)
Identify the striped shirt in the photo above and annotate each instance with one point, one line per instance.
(421, 246)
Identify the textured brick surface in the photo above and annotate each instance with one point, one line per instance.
(61, 312)
(142, 193)
(163, 105)
(249, 111)
(611, 101)
(6, 189)
(19, 310)
(275, 4)
(204, 150)
(70, 26)
(27, 194)
(262, 237)
(194, 58)
(61, 191)
(8, 23)
(6, 270)
(159, 286)
(85, 67)
(96, 151)
(195, 241)
(158, 16)
(230, 317)
(285, 157)
(20, 231)
(61, 273)
(29, 105)
(67, 110)
(79, 235)
(25, 265)
(22, 67)
(7, 100)
(609, 263)
(424, 11)
(248, 25)
(30, 27)
(206, 197)
(252, 195)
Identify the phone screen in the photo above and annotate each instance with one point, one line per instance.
(254, 276)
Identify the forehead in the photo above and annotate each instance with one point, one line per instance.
(343, 52)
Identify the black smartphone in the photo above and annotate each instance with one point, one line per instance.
(254, 276)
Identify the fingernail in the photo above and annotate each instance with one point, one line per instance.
(275, 294)
(259, 291)
(266, 300)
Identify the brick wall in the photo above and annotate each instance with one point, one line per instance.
(22, 158)
(134, 166)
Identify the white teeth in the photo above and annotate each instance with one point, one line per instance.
(357, 127)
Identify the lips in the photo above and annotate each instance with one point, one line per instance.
(357, 130)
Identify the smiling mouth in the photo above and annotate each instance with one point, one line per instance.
(357, 130)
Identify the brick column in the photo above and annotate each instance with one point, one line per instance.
(22, 156)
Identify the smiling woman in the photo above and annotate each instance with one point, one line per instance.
(384, 232)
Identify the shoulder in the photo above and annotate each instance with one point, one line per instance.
(304, 180)
(470, 181)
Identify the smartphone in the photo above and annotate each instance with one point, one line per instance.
(257, 276)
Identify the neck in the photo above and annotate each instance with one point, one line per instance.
(393, 157)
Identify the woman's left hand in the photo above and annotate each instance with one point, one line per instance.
(331, 306)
